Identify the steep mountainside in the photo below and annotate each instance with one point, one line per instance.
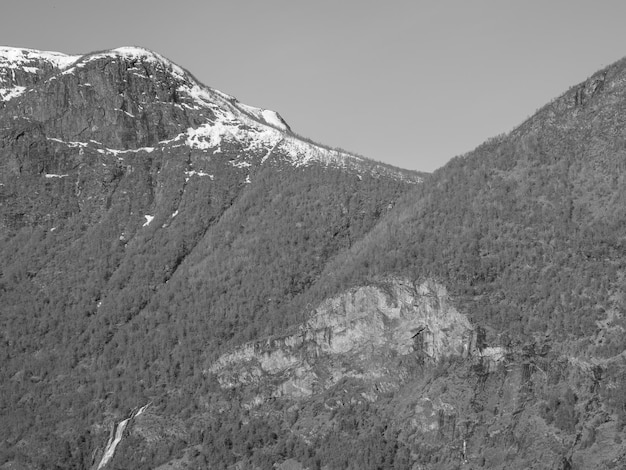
(185, 283)
(148, 222)
(527, 234)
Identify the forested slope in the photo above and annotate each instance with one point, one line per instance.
(528, 228)
(149, 222)
(279, 304)
(526, 233)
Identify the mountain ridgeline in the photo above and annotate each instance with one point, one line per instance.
(186, 283)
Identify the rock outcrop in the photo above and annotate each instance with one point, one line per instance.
(125, 182)
(362, 334)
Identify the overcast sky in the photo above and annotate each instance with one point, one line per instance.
(412, 83)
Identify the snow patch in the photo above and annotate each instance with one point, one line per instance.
(273, 118)
(116, 152)
(149, 218)
(197, 173)
(16, 57)
(69, 144)
(269, 152)
(7, 94)
(52, 175)
(174, 139)
(211, 135)
(125, 112)
(175, 213)
(30, 69)
(130, 53)
(242, 164)
(265, 115)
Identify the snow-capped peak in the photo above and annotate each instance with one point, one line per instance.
(14, 57)
(130, 53)
(28, 60)
(265, 115)
(217, 117)
(134, 52)
(30, 63)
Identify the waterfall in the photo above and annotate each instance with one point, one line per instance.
(116, 437)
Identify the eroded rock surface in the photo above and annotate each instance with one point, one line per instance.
(362, 334)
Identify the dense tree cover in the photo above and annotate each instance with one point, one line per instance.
(526, 230)
(358, 436)
(124, 272)
(105, 316)
(104, 310)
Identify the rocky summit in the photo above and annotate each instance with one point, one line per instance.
(185, 282)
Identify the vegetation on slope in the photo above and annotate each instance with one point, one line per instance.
(102, 313)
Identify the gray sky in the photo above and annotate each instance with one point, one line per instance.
(411, 83)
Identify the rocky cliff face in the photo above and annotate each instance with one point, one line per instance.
(21, 69)
(132, 98)
(403, 352)
(74, 125)
(123, 99)
(132, 199)
(363, 334)
(160, 243)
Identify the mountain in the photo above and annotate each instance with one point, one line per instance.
(148, 223)
(526, 234)
(186, 283)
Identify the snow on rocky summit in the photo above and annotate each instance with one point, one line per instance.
(208, 120)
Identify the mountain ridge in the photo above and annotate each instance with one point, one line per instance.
(280, 306)
(137, 205)
(300, 149)
(525, 232)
